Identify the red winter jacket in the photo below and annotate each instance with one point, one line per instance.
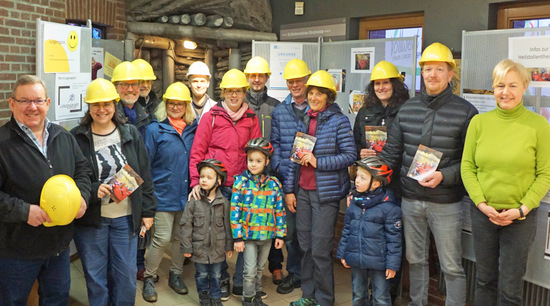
(217, 137)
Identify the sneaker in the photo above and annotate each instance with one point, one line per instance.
(304, 302)
(289, 284)
(175, 282)
(224, 286)
(149, 293)
(277, 276)
(258, 299)
(248, 301)
(216, 302)
(204, 299)
(263, 295)
(237, 291)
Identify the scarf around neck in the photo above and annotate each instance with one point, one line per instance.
(235, 116)
(177, 124)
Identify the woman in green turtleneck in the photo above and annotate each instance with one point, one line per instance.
(506, 171)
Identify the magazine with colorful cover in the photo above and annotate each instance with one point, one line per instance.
(376, 137)
(125, 181)
(303, 143)
(424, 163)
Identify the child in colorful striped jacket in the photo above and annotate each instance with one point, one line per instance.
(257, 216)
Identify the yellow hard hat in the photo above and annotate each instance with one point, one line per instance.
(385, 70)
(257, 64)
(60, 199)
(437, 52)
(234, 78)
(177, 91)
(322, 78)
(126, 71)
(101, 90)
(146, 69)
(295, 68)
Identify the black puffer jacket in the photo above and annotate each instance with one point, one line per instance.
(23, 172)
(372, 115)
(439, 122)
(263, 106)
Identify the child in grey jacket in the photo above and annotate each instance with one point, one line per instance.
(206, 231)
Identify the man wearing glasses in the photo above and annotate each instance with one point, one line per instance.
(126, 78)
(32, 150)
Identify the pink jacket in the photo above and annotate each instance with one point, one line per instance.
(217, 137)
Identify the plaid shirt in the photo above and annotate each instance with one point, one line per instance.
(257, 208)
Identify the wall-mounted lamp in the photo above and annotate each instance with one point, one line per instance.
(188, 44)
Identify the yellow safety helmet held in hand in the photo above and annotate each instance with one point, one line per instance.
(177, 91)
(257, 64)
(60, 199)
(437, 52)
(296, 68)
(146, 69)
(322, 78)
(385, 70)
(101, 90)
(234, 78)
(126, 71)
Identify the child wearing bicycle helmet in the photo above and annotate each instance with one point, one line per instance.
(257, 216)
(371, 238)
(205, 222)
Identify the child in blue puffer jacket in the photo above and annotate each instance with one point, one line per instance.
(371, 238)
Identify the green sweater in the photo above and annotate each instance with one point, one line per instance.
(506, 160)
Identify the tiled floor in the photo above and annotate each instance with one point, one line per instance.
(166, 296)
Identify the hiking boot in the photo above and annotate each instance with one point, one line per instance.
(237, 291)
(149, 293)
(216, 302)
(140, 275)
(175, 282)
(290, 282)
(204, 299)
(277, 276)
(224, 286)
(304, 302)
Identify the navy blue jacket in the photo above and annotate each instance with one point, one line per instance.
(335, 152)
(169, 155)
(371, 238)
(284, 125)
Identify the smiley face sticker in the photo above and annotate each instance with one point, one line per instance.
(72, 41)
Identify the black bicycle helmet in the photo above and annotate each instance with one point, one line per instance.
(377, 168)
(260, 144)
(215, 164)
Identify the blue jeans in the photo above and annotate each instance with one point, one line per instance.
(380, 287)
(18, 276)
(255, 255)
(445, 222)
(294, 254)
(501, 257)
(207, 277)
(108, 258)
(315, 226)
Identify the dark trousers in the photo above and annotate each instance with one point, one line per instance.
(207, 277)
(18, 276)
(315, 226)
(501, 258)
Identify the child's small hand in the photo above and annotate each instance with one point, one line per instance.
(187, 255)
(344, 263)
(279, 243)
(229, 254)
(239, 246)
(390, 273)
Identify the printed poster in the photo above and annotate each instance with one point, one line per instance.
(483, 103)
(61, 48)
(533, 52)
(339, 77)
(97, 63)
(356, 100)
(362, 60)
(110, 63)
(279, 56)
(70, 89)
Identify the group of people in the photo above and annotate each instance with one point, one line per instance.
(217, 179)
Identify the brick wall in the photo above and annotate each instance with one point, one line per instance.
(18, 33)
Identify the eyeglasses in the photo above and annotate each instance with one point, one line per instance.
(105, 105)
(26, 102)
(231, 92)
(126, 85)
(175, 105)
